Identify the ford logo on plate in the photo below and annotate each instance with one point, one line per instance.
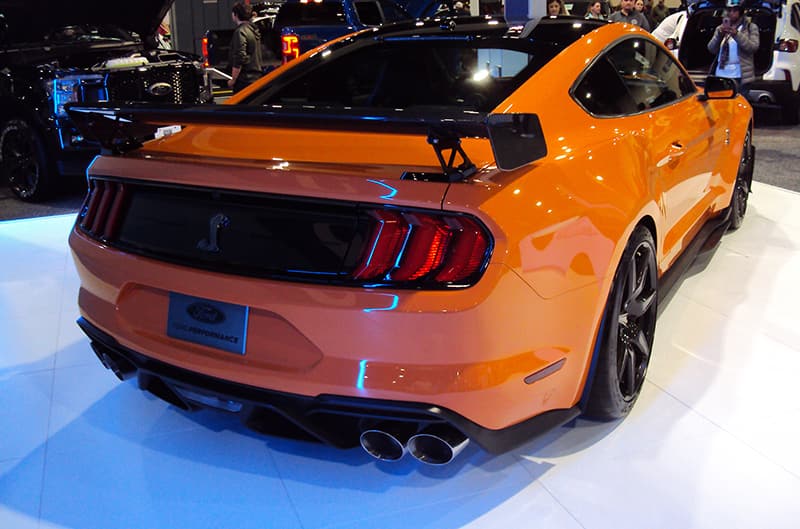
(159, 89)
(205, 313)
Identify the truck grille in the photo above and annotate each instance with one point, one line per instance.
(150, 84)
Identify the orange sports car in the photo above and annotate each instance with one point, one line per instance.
(414, 237)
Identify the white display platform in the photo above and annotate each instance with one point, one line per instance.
(712, 442)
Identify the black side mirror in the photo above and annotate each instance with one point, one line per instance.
(719, 88)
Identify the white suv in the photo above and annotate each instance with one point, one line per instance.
(777, 61)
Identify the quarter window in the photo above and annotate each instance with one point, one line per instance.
(634, 76)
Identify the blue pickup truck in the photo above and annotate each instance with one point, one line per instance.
(305, 24)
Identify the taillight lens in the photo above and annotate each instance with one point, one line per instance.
(290, 47)
(102, 210)
(205, 51)
(429, 249)
(787, 45)
(671, 43)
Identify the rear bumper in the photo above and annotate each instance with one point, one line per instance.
(330, 419)
(766, 93)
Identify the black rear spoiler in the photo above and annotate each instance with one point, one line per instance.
(516, 139)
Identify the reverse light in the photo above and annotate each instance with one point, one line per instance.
(290, 47)
(432, 249)
(787, 45)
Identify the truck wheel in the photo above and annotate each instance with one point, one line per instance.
(23, 160)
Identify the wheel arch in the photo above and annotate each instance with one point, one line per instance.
(648, 222)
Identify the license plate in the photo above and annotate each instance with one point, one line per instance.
(208, 322)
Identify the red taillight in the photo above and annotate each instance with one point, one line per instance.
(103, 209)
(425, 249)
(386, 240)
(671, 43)
(290, 47)
(414, 246)
(787, 45)
(205, 51)
(467, 253)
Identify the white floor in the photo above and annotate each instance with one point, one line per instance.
(712, 443)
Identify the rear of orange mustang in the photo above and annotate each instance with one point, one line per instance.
(351, 278)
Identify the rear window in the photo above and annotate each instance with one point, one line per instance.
(310, 14)
(407, 74)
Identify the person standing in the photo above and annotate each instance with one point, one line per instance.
(556, 8)
(595, 11)
(640, 7)
(245, 49)
(659, 12)
(629, 15)
(734, 43)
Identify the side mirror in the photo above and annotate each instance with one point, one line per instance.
(719, 88)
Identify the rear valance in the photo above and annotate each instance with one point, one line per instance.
(516, 139)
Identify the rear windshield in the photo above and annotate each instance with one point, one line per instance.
(401, 73)
(310, 14)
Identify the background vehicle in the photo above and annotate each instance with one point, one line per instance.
(53, 53)
(304, 25)
(472, 251)
(777, 62)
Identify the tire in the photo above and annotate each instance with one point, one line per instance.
(741, 189)
(626, 335)
(23, 159)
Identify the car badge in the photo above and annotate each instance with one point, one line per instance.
(216, 224)
(205, 313)
(159, 89)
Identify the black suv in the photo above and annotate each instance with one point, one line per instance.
(53, 52)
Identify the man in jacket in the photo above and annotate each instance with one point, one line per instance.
(245, 50)
(734, 43)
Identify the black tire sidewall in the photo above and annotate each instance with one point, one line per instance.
(606, 401)
(42, 187)
(741, 187)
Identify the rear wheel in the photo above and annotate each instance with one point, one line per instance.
(741, 189)
(23, 159)
(627, 331)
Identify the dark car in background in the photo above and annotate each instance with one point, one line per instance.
(304, 25)
(56, 52)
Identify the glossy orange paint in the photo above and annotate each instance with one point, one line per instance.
(560, 226)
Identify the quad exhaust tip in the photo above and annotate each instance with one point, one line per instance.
(435, 445)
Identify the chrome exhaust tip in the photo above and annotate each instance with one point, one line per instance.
(437, 445)
(387, 441)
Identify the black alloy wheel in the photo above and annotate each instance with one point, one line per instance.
(23, 160)
(741, 189)
(628, 330)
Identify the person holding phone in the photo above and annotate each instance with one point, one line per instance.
(734, 43)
